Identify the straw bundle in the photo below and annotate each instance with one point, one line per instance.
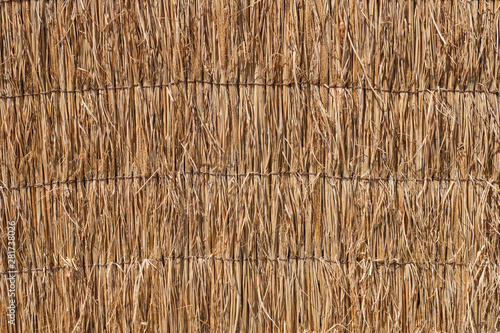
(251, 165)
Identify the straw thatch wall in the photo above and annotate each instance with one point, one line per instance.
(251, 165)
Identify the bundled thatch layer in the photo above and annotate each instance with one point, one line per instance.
(251, 165)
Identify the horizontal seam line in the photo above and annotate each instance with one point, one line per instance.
(243, 84)
(377, 262)
(247, 174)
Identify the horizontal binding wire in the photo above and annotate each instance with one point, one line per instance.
(249, 174)
(390, 263)
(246, 84)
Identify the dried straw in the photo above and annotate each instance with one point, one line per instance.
(251, 165)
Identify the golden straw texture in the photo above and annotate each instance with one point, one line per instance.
(251, 165)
